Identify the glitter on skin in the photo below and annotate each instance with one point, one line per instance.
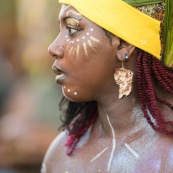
(113, 144)
(132, 151)
(94, 39)
(99, 154)
(70, 50)
(77, 52)
(74, 53)
(72, 22)
(90, 44)
(85, 49)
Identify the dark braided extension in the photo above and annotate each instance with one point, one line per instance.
(148, 66)
(79, 117)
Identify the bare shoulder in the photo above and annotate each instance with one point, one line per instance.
(55, 154)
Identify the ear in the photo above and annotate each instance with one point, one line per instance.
(124, 49)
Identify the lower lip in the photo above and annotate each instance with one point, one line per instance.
(58, 78)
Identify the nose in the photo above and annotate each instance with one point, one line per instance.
(55, 50)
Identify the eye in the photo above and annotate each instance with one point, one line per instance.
(71, 30)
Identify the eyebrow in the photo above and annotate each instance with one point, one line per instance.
(74, 12)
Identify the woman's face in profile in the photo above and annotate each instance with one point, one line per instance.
(84, 58)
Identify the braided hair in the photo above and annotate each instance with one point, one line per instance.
(79, 117)
(150, 71)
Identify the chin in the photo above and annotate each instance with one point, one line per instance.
(74, 98)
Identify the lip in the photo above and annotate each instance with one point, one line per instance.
(59, 78)
(60, 74)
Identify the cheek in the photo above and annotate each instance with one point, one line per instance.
(84, 46)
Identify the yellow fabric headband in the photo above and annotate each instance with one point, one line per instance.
(123, 21)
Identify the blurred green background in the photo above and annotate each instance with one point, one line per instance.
(29, 97)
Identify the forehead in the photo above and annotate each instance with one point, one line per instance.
(67, 10)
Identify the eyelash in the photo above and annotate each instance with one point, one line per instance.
(71, 30)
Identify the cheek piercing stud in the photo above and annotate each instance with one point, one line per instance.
(68, 90)
(75, 93)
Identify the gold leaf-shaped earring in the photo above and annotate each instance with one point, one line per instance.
(124, 78)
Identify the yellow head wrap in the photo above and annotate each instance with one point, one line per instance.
(124, 21)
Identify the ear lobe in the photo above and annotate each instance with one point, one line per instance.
(124, 49)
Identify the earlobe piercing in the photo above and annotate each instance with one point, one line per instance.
(124, 78)
(126, 58)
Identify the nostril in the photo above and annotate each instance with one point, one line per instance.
(56, 51)
(60, 52)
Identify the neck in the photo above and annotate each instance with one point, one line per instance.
(123, 116)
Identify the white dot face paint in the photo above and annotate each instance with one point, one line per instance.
(86, 45)
(80, 39)
(69, 93)
(65, 95)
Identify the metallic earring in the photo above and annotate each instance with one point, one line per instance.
(124, 78)
(126, 58)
